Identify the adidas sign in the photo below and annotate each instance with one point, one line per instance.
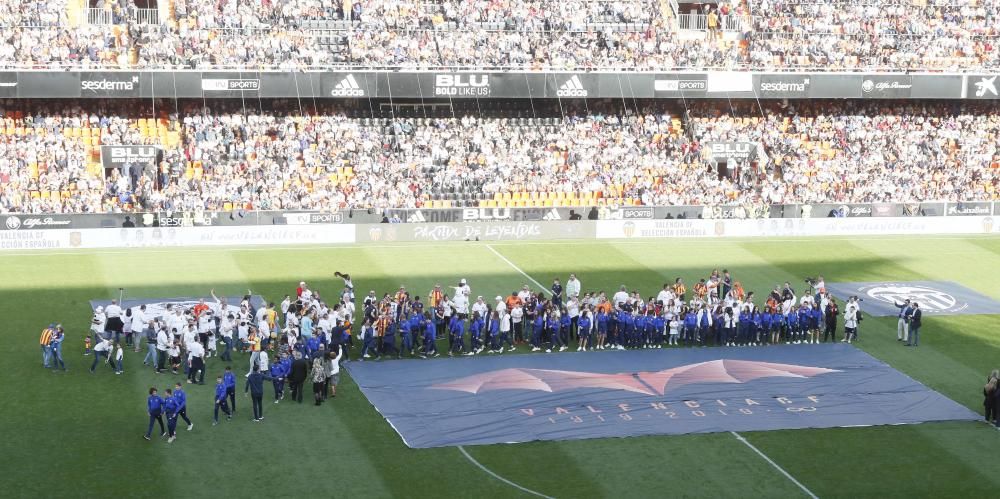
(553, 214)
(572, 88)
(348, 87)
(416, 218)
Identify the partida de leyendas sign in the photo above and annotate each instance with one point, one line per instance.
(117, 156)
(462, 85)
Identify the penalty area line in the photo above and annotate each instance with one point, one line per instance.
(774, 464)
(515, 267)
(498, 477)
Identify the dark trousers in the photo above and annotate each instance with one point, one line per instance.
(221, 404)
(172, 425)
(157, 417)
(183, 413)
(297, 391)
(197, 371)
(279, 388)
(519, 332)
(231, 393)
(161, 360)
(830, 331)
(258, 405)
(991, 410)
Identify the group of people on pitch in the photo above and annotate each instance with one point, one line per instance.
(719, 312)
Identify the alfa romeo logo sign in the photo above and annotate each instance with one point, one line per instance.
(933, 300)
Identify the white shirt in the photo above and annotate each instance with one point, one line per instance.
(103, 346)
(479, 307)
(226, 328)
(119, 353)
(619, 298)
(195, 350)
(501, 306)
(285, 305)
(573, 287)
(462, 290)
(98, 323)
(190, 338)
(517, 314)
(262, 361)
(504, 322)
(138, 320)
(573, 308)
(112, 311)
(162, 340)
(523, 295)
(461, 303)
(665, 296)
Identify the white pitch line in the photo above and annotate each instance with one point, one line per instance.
(515, 267)
(498, 477)
(779, 468)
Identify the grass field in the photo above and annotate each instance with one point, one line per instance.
(76, 434)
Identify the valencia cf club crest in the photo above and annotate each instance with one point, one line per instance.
(720, 227)
(375, 233)
(628, 229)
(75, 239)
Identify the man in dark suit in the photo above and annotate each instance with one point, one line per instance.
(915, 323)
(300, 368)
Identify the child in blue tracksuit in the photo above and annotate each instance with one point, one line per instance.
(815, 319)
(536, 332)
(430, 338)
(659, 330)
(690, 327)
(552, 327)
(765, 326)
(181, 399)
(404, 333)
(565, 324)
(457, 330)
(367, 339)
(154, 407)
(229, 379)
(792, 326)
(494, 334)
(805, 317)
(602, 328)
(476, 331)
(170, 407)
(756, 333)
(220, 401)
(416, 324)
(583, 324)
(744, 327)
(278, 374)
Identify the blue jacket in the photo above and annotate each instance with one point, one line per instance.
(229, 379)
(476, 327)
(170, 407)
(690, 320)
(584, 324)
(154, 404)
(457, 326)
(430, 331)
(602, 321)
(220, 392)
(255, 383)
(181, 398)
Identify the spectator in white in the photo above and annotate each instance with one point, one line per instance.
(573, 310)
(139, 324)
(665, 295)
(620, 297)
(114, 325)
(163, 342)
(97, 324)
(461, 305)
(480, 307)
(573, 286)
(196, 363)
(501, 306)
(463, 288)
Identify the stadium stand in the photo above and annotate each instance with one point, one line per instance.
(942, 35)
(221, 155)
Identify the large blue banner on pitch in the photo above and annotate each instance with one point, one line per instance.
(520, 398)
(934, 297)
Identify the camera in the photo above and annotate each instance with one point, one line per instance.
(810, 281)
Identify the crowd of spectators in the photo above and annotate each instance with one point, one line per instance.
(952, 35)
(277, 155)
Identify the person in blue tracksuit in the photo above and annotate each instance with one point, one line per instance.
(404, 334)
(154, 408)
(744, 327)
(777, 325)
(757, 336)
(416, 330)
(584, 324)
(457, 330)
(367, 339)
(690, 327)
(601, 320)
(792, 326)
(537, 331)
(815, 320)
(181, 399)
(475, 332)
(648, 330)
(430, 338)
(229, 379)
(805, 316)
(766, 319)
(660, 330)
(279, 371)
(170, 408)
(565, 324)
(220, 401)
(493, 329)
(552, 328)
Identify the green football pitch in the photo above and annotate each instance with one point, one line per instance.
(80, 435)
